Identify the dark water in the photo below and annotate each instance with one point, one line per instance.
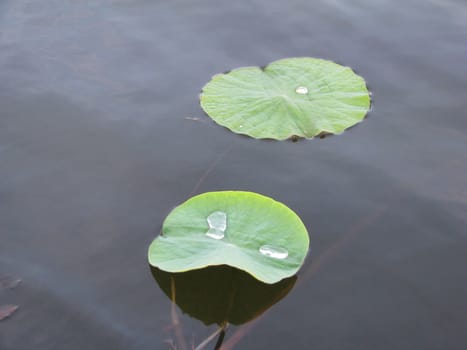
(96, 148)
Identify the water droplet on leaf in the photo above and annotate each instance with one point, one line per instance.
(216, 234)
(302, 90)
(217, 222)
(274, 252)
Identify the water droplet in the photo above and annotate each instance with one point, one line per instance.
(302, 90)
(217, 222)
(241, 126)
(274, 252)
(216, 234)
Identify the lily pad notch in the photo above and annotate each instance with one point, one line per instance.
(245, 230)
(299, 97)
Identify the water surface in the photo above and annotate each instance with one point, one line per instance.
(100, 139)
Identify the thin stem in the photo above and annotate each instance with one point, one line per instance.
(210, 169)
(220, 340)
(177, 325)
(221, 331)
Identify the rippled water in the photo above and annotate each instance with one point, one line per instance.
(101, 135)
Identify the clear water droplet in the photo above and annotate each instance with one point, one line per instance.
(273, 251)
(216, 234)
(217, 222)
(302, 90)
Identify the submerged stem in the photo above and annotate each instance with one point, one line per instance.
(221, 331)
(210, 168)
(176, 324)
(220, 340)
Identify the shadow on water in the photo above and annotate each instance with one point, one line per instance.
(221, 294)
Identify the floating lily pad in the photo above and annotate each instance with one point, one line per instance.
(245, 230)
(293, 97)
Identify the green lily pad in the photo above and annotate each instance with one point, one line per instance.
(293, 97)
(244, 230)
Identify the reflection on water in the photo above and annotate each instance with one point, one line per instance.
(221, 294)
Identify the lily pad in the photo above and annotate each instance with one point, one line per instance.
(289, 98)
(244, 230)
